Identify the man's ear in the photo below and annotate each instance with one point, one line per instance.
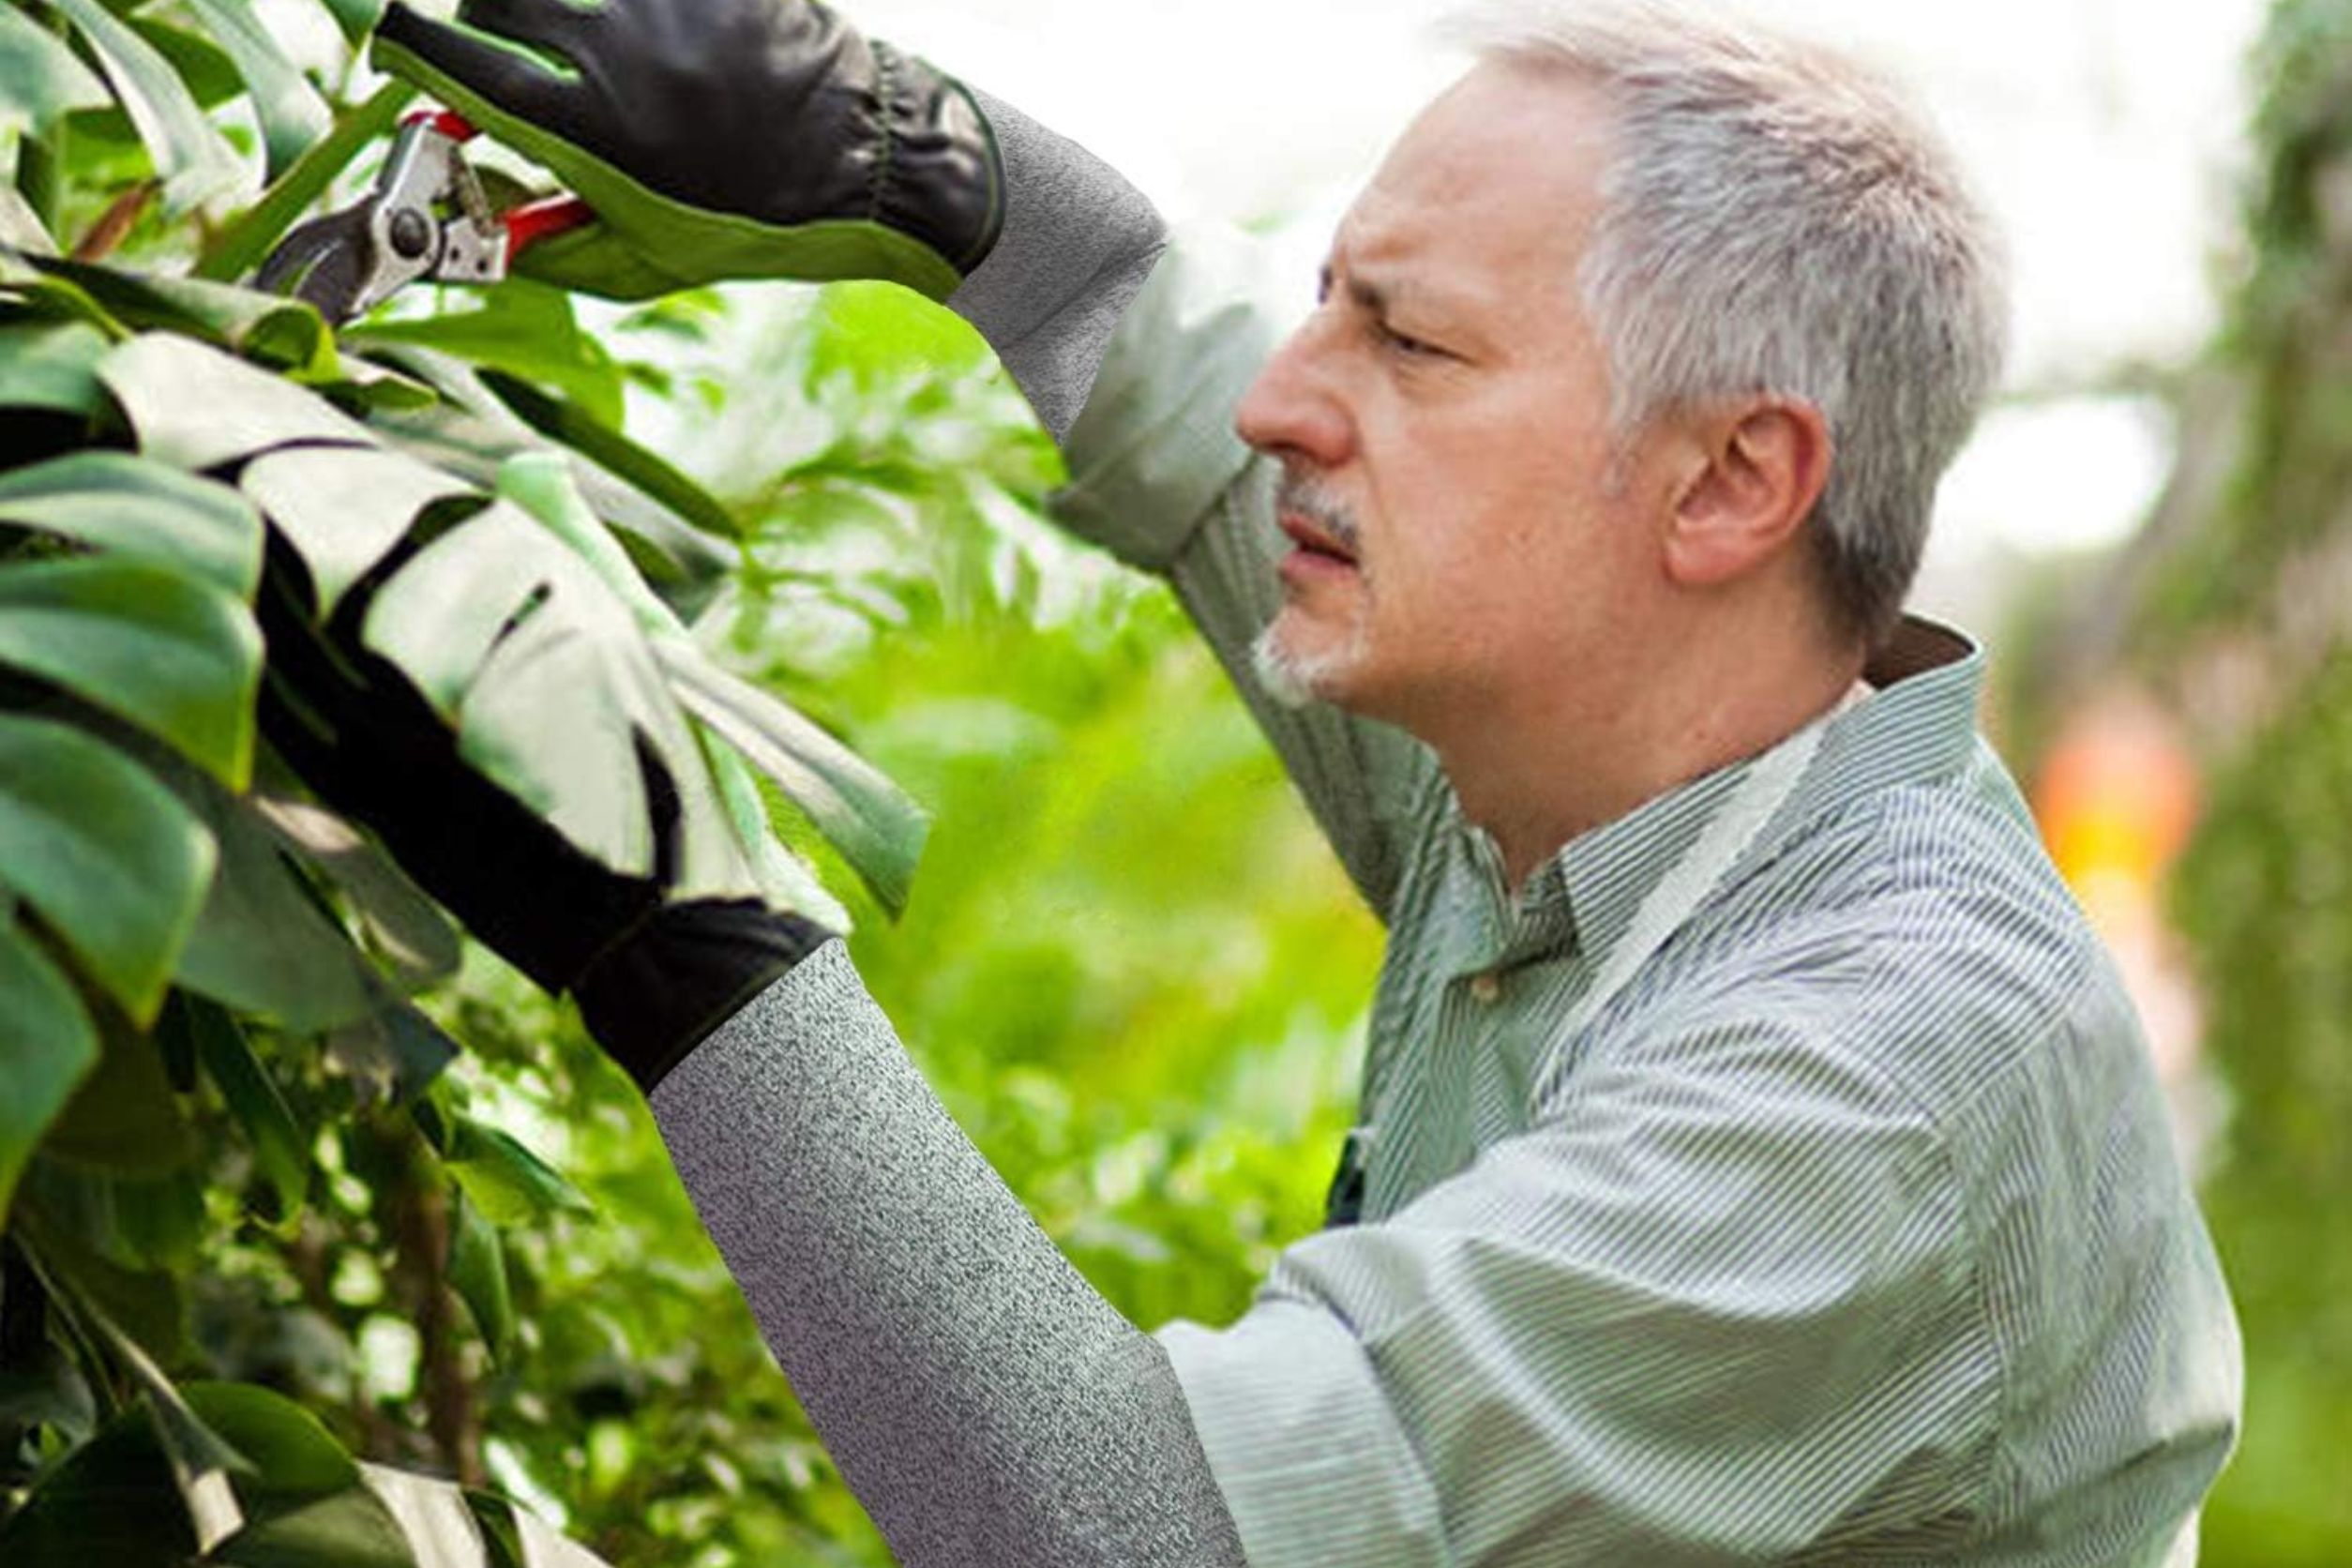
(1759, 470)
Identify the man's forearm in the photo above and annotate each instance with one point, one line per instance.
(1077, 244)
(986, 1404)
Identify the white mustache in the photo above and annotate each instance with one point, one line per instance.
(1298, 494)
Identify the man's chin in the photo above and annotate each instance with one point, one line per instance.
(1296, 680)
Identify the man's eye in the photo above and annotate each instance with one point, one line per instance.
(1412, 347)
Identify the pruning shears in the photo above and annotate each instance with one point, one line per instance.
(426, 218)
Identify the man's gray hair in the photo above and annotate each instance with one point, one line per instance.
(1775, 221)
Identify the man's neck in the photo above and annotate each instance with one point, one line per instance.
(1537, 778)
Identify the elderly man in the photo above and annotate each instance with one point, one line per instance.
(1759, 1161)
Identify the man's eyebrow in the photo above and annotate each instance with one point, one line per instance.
(1380, 296)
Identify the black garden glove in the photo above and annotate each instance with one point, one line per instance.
(651, 978)
(719, 139)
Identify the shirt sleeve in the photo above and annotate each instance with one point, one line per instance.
(1160, 479)
(1717, 1305)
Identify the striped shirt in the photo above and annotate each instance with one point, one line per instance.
(1821, 1209)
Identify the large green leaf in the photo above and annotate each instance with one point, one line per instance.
(125, 1118)
(475, 433)
(525, 328)
(343, 508)
(291, 114)
(195, 162)
(173, 655)
(876, 825)
(549, 677)
(61, 1215)
(285, 333)
(194, 406)
(263, 943)
(402, 923)
(46, 1048)
(139, 508)
(109, 856)
(50, 363)
(39, 77)
(295, 1500)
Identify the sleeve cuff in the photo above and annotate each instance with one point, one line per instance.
(1311, 1460)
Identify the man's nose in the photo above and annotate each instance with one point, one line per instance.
(1292, 408)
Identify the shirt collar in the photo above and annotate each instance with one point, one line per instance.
(1918, 724)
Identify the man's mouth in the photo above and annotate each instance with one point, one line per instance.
(1312, 540)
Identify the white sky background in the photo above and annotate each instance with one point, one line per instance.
(2106, 135)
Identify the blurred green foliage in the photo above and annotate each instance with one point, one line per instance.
(2246, 601)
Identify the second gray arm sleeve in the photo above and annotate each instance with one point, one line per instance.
(1077, 244)
(986, 1404)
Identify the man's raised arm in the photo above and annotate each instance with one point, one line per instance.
(1134, 344)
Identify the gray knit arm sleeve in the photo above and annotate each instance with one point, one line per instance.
(984, 1403)
(1077, 244)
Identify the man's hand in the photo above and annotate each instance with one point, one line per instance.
(719, 139)
(650, 977)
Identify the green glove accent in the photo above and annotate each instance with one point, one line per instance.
(718, 139)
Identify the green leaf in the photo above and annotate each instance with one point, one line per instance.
(547, 677)
(125, 1118)
(474, 434)
(524, 329)
(173, 655)
(279, 1150)
(292, 114)
(39, 77)
(263, 943)
(343, 508)
(356, 17)
(51, 1390)
(877, 827)
(194, 161)
(306, 1504)
(287, 334)
(559, 420)
(512, 1185)
(194, 406)
(50, 363)
(46, 1048)
(60, 1216)
(477, 1269)
(402, 923)
(293, 1499)
(139, 510)
(109, 856)
(241, 246)
(448, 1526)
(394, 1054)
(786, 880)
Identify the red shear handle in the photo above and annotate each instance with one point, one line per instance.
(544, 219)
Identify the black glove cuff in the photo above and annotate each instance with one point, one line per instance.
(685, 970)
(941, 179)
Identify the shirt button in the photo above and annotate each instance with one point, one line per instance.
(1485, 985)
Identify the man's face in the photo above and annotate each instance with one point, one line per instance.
(1444, 416)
